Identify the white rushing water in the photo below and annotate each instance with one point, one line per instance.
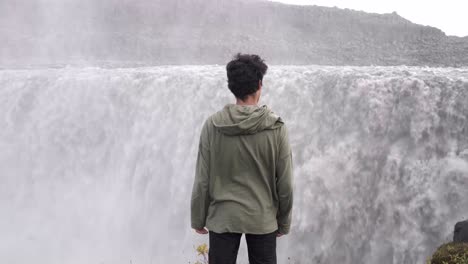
(97, 165)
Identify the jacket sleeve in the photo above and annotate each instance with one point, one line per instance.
(200, 194)
(284, 183)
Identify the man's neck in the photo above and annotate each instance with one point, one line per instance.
(248, 101)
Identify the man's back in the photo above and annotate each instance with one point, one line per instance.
(249, 169)
(243, 179)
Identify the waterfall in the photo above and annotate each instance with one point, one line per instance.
(97, 165)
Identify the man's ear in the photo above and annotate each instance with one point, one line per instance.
(260, 84)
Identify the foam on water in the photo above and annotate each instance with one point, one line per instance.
(96, 165)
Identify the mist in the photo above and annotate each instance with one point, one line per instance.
(102, 102)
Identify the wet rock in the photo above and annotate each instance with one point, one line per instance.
(460, 234)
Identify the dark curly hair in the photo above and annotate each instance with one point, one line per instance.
(243, 73)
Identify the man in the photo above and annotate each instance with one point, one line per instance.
(243, 179)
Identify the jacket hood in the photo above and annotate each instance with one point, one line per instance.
(245, 119)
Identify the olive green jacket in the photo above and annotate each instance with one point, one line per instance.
(243, 179)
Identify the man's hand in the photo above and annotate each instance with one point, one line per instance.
(202, 231)
(278, 234)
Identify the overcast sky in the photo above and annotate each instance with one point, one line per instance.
(448, 15)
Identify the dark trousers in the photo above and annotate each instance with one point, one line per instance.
(224, 248)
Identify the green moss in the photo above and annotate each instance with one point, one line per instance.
(450, 253)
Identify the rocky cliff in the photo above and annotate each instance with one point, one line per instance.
(211, 31)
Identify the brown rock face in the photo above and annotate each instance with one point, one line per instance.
(211, 31)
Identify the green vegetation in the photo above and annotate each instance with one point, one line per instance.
(202, 250)
(450, 253)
